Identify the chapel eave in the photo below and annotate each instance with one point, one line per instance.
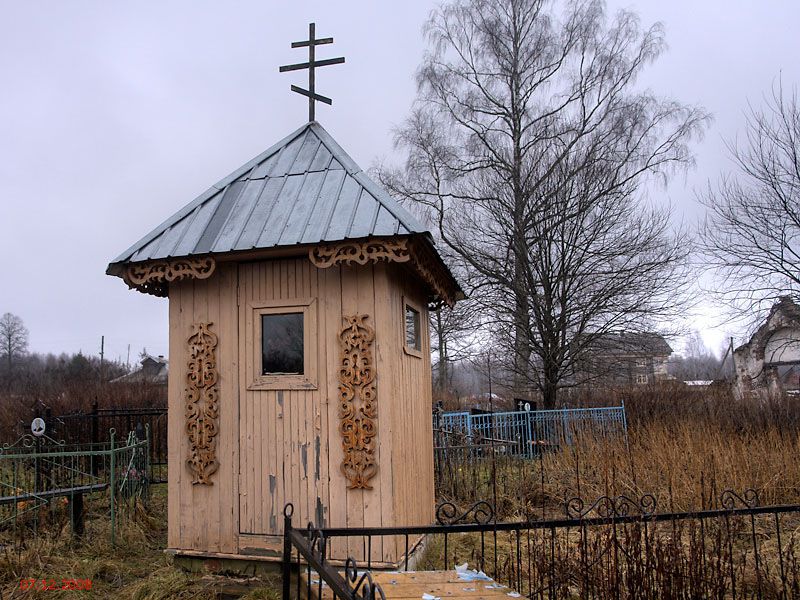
(415, 252)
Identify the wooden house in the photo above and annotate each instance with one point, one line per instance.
(298, 310)
(624, 358)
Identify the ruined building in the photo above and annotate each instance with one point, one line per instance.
(765, 365)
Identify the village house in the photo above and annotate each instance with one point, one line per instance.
(625, 358)
(153, 369)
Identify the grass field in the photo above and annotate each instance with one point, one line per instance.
(682, 447)
(136, 568)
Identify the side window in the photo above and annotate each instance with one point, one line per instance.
(412, 318)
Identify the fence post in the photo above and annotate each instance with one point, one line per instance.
(528, 434)
(113, 489)
(288, 511)
(95, 435)
(625, 423)
(624, 418)
(147, 466)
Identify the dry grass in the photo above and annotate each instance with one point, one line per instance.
(36, 395)
(686, 465)
(684, 448)
(136, 568)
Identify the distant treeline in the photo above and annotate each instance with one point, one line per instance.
(66, 383)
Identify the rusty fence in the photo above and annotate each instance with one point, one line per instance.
(45, 483)
(617, 547)
(92, 427)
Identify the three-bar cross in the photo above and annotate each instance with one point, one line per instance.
(312, 42)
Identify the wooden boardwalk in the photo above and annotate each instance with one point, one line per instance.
(415, 584)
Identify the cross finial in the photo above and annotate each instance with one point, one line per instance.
(312, 42)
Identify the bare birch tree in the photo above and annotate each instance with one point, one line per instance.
(13, 339)
(530, 144)
(455, 337)
(751, 235)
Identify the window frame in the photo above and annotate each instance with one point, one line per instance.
(253, 345)
(642, 379)
(410, 350)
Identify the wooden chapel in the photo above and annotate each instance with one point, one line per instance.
(300, 356)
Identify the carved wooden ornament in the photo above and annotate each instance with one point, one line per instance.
(154, 277)
(359, 253)
(421, 259)
(432, 273)
(202, 410)
(358, 409)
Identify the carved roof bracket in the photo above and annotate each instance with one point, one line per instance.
(419, 256)
(154, 277)
(433, 272)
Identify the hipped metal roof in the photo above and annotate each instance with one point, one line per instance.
(303, 190)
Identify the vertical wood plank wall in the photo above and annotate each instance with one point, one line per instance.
(204, 517)
(278, 446)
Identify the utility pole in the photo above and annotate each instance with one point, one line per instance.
(102, 355)
(128, 360)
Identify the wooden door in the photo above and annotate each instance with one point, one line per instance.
(280, 430)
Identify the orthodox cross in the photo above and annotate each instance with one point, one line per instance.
(312, 42)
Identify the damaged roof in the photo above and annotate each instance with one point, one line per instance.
(303, 190)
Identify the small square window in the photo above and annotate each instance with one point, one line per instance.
(413, 338)
(641, 379)
(279, 345)
(282, 344)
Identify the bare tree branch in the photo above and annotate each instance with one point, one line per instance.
(751, 235)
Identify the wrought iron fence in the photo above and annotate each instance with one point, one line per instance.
(43, 479)
(611, 548)
(92, 427)
(322, 578)
(470, 472)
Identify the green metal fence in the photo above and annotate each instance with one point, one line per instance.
(41, 478)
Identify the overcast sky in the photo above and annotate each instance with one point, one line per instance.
(113, 115)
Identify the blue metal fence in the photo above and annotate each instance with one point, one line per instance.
(528, 433)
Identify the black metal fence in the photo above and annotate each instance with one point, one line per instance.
(470, 471)
(612, 548)
(92, 427)
(495, 455)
